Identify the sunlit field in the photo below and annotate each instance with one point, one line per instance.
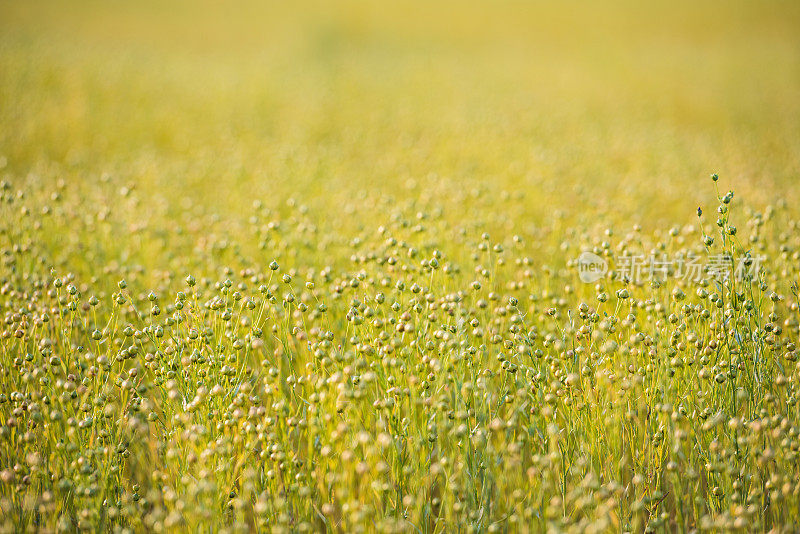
(419, 267)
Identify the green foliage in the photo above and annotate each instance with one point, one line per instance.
(303, 268)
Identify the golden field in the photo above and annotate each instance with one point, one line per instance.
(315, 267)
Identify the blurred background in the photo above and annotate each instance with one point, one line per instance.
(610, 110)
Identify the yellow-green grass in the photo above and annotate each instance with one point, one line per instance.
(424, 175)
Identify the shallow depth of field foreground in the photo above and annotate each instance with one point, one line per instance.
(419, 267)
